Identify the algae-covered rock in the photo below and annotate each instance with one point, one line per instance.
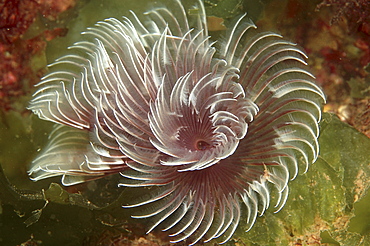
(329, 203)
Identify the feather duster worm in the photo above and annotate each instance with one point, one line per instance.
(211, 127)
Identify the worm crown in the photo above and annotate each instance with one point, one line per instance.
(210, 127)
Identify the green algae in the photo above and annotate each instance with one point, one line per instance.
(329, 203)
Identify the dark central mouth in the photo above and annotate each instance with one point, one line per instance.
(202, 145)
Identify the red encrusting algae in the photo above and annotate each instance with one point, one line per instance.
(336, 36)
(17, 72)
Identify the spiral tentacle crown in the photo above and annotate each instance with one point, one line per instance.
(210, 125)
